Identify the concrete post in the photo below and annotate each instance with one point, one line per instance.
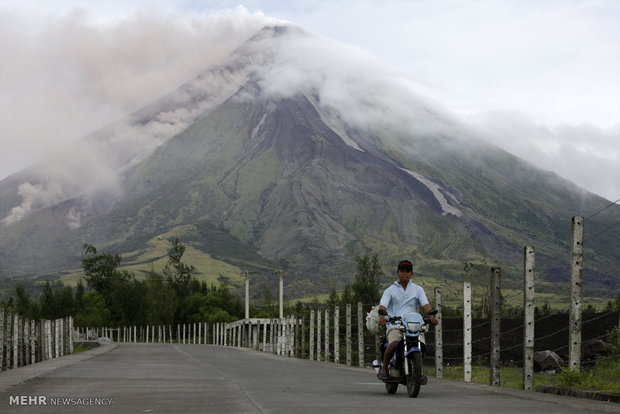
(528, 317)
(27, 355)
(33, 341)
(574, 344)
(48, 338)
(9, 340)
(495, 301)
(467, 343)
(326, 342)
(15, 340)
(312, 335)
(2, 368)
(280, 336)
(348, 334)
(360, 334)
(290, 336)
(59, 338)
(302, 338)
(318, 336)
(438, 336)
(297, 354)
(337, 335)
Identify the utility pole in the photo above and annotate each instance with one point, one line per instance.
(247, 292)
(281, 273)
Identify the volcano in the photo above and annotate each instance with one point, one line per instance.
(281, 158)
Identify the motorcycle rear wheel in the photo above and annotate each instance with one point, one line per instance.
(414, 379)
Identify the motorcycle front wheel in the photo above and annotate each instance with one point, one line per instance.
(414, 379)
(391, 387)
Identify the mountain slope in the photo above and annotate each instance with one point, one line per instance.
(268, 180)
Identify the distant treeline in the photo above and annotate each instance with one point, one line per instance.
(109, 296)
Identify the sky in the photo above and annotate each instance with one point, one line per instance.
(540, 79)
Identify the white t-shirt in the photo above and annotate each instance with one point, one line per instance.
(399, 301)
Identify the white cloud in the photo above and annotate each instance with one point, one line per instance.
(70, 77)
(585, 154)
(67, 72)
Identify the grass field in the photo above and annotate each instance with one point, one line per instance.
(603, 377)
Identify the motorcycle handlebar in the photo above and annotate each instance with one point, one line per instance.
(392, 319)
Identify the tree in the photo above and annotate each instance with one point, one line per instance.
(95, 313)
(366, 284)
(613, 304)
(347, 295)
(333, 299)
(80, 290)
(24, 306)
(100, 269)
(56, 303)
(161, 300)
(177, 273)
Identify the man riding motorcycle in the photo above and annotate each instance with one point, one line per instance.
(400, 298)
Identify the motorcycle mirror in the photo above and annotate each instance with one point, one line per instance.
(383, 312)
(433, 312)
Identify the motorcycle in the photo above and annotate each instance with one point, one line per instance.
(405, 367)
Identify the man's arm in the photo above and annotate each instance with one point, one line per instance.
(382, 320)
(427, 308)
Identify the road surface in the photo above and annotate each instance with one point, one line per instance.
(172, 378)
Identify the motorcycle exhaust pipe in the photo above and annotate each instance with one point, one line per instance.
(376, 365)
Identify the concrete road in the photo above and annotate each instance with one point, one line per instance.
(166, 378)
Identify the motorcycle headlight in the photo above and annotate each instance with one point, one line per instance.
(413, 326)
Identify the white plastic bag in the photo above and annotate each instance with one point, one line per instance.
(372, 321)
